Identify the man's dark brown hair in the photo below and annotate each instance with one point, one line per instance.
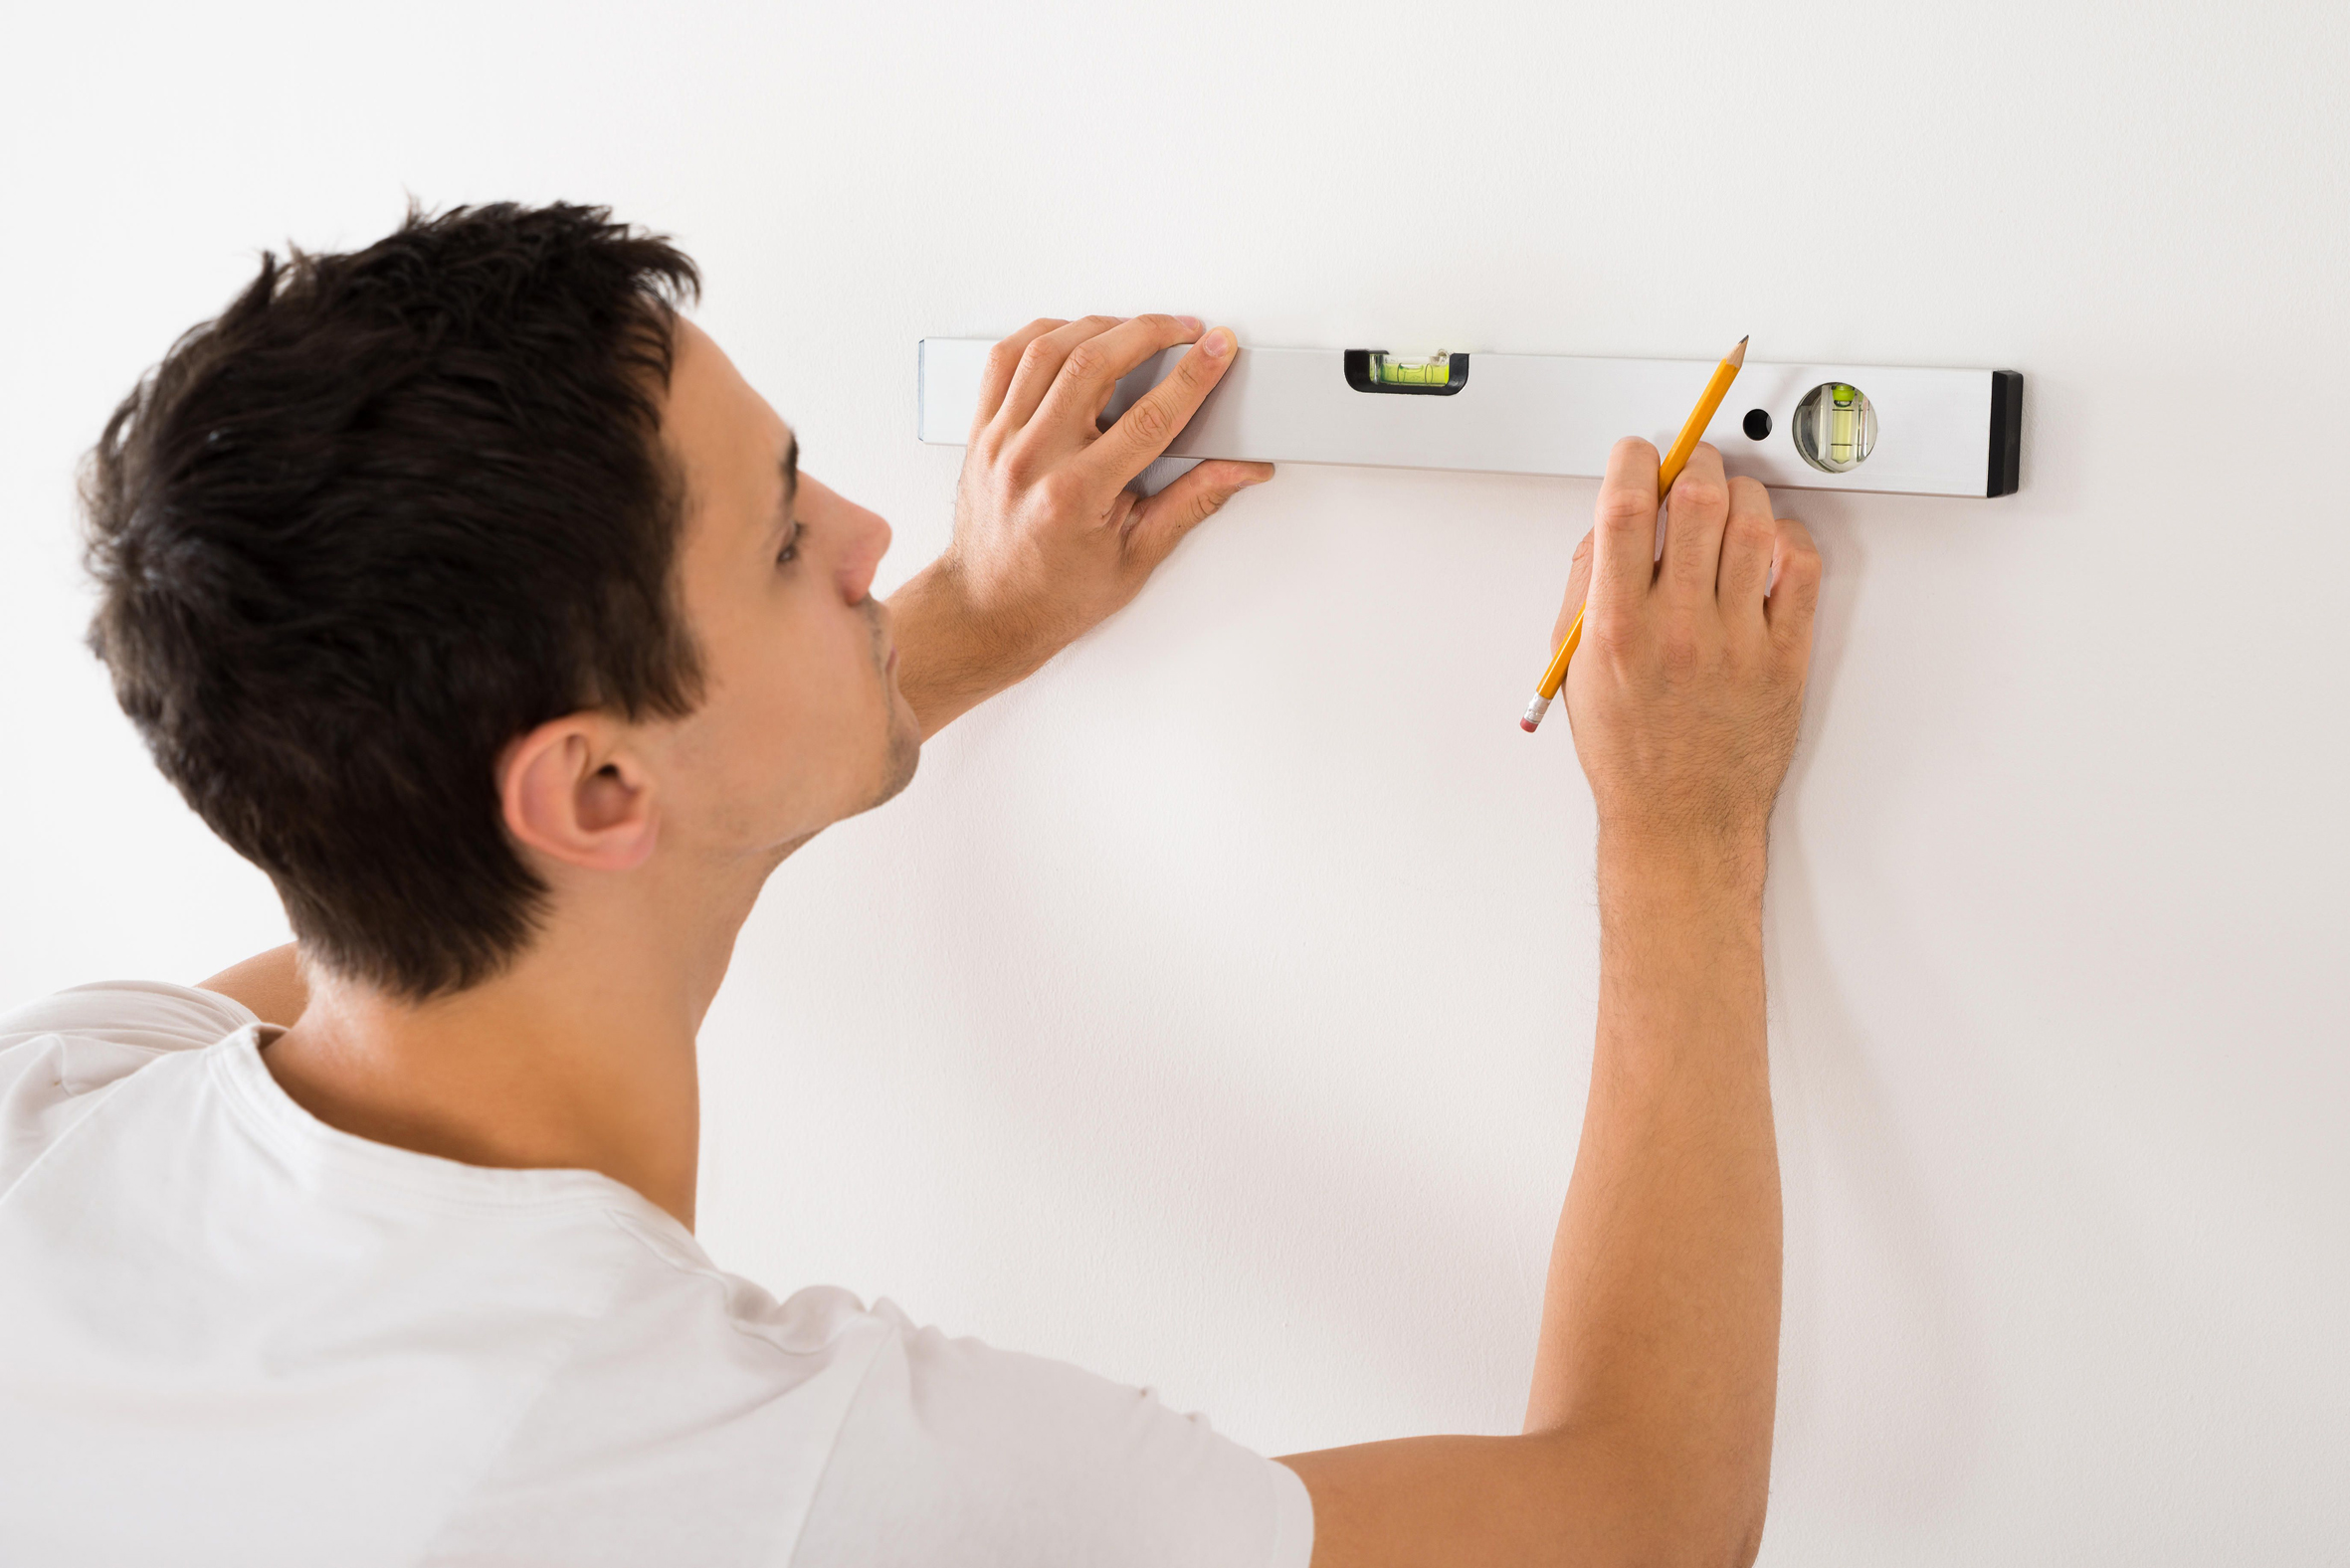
(388, 512)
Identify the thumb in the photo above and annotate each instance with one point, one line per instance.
(1160, 522)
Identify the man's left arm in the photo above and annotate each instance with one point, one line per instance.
(1049, 539)
(269, 984)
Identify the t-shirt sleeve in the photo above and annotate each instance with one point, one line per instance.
(148, 1015)
(58, 1053)
(954, 1452)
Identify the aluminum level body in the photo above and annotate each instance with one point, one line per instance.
(1938, 432)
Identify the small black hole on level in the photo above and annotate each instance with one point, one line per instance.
(1758, 423)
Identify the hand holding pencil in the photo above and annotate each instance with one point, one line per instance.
(1689, 686)
(1666, 471)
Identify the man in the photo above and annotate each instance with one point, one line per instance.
(463, 585)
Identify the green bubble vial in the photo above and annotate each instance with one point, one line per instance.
(1835, 427)
(1430, 370)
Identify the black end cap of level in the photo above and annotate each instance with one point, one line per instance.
(2007, 433)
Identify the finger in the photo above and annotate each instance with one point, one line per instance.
(1623, 528)
(1795, 587)
(1120, 516)
(995, 379)
(1159, 523)
(1748, 541)
(1695, 515)
(1578, 585)
(1144, 430)
(1041, 362)
(1090, 372)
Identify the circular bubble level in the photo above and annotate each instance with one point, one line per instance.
(1835, 427)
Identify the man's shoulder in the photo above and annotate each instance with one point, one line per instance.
(59, 1053)
(147, 1015)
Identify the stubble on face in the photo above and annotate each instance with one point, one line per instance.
(903, 743)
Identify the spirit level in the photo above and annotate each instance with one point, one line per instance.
(1926, 432)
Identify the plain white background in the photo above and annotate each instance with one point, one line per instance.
(1214, 1010)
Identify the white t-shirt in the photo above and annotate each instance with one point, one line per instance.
(232, 1335)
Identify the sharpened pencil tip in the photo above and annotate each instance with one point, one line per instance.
(1738, 356)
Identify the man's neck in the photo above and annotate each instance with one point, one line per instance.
(580, 1056)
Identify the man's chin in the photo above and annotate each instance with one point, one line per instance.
(903, 754)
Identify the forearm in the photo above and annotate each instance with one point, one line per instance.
(949, 660)
(1660, 1322)
(1648, 1434)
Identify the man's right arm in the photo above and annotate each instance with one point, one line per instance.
(1648, 1432)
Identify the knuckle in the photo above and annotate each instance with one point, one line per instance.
(1794, 602)
(1624, 507)
(1017, 462)
(1085, 361)
(1061, 491)
(1609, 631)
(1678, 653)
(1704, 493)
(1147, 421)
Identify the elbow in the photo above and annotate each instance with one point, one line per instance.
(1746, 1543)
(1733, 1538)
(1714, 1544)
(1721, 1537)
(1638, 1507)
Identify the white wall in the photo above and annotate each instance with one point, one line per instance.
(1214, 1010)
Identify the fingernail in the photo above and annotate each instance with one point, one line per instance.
(1217, 344)
(1191, 323)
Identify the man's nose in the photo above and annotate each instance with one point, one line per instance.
(872, 543)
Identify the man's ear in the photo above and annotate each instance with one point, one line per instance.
(571, 790)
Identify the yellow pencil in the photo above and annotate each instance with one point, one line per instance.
(1666, 471)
